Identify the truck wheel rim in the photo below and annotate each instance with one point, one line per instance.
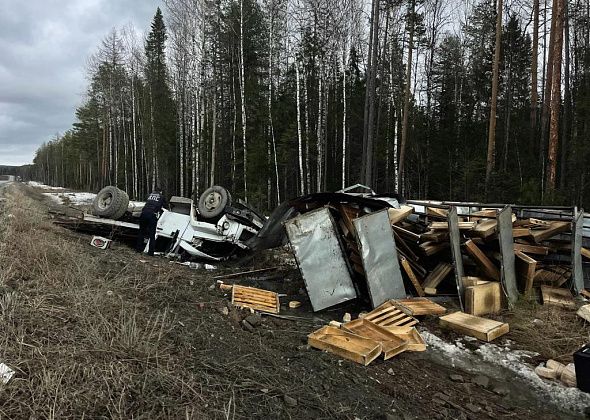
(212, 201)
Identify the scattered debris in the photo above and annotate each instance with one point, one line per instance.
(6, 373)
(294, 304)
(100, 242)
(584, 312)
(558, 297)
(391, 344)
(345, 344)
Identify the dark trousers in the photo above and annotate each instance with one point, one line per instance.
(147, 228)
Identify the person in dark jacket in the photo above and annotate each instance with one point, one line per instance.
(148, 220)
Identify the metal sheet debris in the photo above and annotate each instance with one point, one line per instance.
(318, 251)
(379, 256)
(507, 253)
(455, 239)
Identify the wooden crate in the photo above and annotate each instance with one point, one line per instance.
(483, 299)
(388, 315)
(345, 344)
(257, 299)
(414, 339)
(475, 326)
(391, 344)
(419, 306)
(557, 297)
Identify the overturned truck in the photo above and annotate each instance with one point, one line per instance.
(212, 229)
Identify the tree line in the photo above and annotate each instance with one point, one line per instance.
(488, 100)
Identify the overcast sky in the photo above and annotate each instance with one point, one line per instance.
(44, 45)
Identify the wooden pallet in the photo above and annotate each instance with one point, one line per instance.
(389, 316)
(391, 344)
(257, 299)
(419, 306)
(345, 344)
(474, 326)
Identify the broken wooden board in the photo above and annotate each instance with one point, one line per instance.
(257, 299)
(406, 234)
(469, 281)
(412, 276)
(585, 293)
(585, 252)
(553, 229)
(474, 326)
(525, 269)
(397, 215)
(491, 213)
(584, 312)
(419, 306)
(345, 344)
(531, 249)
(388, 315)
(483, 299)
(436, 276)
(485, 228)
(556, 296)
(391, 344)
(414, 340)
(482, 261)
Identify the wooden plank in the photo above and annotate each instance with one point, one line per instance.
(406, 234)
(391, 344)
(483, 299)
(482, 261)
(348, 214)
(445, 225)
(553, 229)
(584, 312)
(491, 213)
(401, 243)
(485, 228)
(436, 276)
(397, 215)
(532, 249)
(526, 268)
(419, 306)
(258, 299)
(412, 276)
(469, 281)
(555, 296)
(434, 211)
(520, 232)
(585, 293)
(434, 236)
(431, 248)
(345, 344)
(585, 252)
(474, 326)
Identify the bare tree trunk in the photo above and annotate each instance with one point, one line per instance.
(407, 91)
(243, 102)
(299, 137)
(565, 140)
(490, 162)
(534, 67)
(555, 104)
(344, 105)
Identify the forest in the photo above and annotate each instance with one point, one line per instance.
(483, 100)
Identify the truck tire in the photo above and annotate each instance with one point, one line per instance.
(110, 202)
(213, 201)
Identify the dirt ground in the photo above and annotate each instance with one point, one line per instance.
(114, 334)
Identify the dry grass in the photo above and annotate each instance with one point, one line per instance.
(553, 332)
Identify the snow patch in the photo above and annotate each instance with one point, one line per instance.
(512, 360)
(43, 186)
(72, 198)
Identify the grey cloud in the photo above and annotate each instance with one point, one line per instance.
(44, 47)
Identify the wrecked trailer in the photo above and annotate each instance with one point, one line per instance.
(338, 263)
